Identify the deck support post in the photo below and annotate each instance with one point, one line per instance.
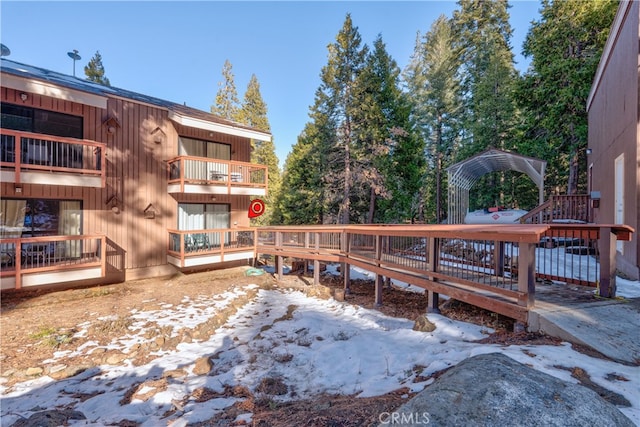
(607, 247)
(379, 284)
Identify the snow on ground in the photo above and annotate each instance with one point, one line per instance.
(312, 345)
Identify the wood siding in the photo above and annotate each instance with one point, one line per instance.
(614, 123)
(136, 166)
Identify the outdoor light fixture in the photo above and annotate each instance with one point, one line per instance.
(24, 97)
(18, 189)
(589, 151)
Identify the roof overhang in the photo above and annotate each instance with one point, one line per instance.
(55, 91)
(218, 127)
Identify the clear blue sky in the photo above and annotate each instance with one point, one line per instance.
(176, 50)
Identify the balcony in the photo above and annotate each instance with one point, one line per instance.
(195, 248)
(36, 261)
(202, 175)
(31, 158)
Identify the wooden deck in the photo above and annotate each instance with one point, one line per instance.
(443, 259)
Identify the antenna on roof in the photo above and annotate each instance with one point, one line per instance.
(74, 55)
(4, 51)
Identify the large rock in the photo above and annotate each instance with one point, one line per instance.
(495, 390)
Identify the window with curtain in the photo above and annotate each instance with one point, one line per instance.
(204, 170)
(40, 217)
(205, 216)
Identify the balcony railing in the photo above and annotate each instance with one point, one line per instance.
(33, 158)
(48, 256)
(560, 208)
(200, 247)
(189, 174)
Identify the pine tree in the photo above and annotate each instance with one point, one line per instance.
(301, 199)
(254, 113)
(227, 104)
(434, 88)
(335, 98)
(388, 159)
(483, 34)
(565, 46)
(94, 70)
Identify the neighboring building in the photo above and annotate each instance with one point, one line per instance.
(614, 127)
(100, 184)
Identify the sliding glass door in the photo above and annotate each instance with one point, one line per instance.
(204, 216)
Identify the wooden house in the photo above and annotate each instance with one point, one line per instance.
(614, 126)
(100, 184)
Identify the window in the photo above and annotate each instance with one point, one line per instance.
(203, 216)
(29, 119)
(37, 151)
(200, 148)
(40, 217)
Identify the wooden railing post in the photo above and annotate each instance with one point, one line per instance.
(378, 285)
(526, 277)
(346, 267)
(279, 258)
(316, 262)
(433, 248)
(607, 247)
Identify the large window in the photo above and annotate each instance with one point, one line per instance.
(40, 217)
(200, 148)
(16, 117)
(40, 151)
(203, 216)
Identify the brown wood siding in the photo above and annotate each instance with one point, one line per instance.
(614, 118)
(136, 168)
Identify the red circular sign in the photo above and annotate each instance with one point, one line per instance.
(256, 208)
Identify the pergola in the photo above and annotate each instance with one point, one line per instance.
(463, 175)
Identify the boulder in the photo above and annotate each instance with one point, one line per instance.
(495, 390)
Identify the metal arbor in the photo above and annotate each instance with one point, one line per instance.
(463, 175)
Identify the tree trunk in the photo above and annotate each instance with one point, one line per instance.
(346, 206)
(372, 206)
(572, 185)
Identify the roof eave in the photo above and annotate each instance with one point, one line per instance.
(197, 123)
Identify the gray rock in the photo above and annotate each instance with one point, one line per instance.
(495, 390)
(422, 324)
(52, 418)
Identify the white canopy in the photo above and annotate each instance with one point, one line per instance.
(463, 175)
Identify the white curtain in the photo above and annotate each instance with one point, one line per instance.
(69, 224)
(12, 217)
(11, 222)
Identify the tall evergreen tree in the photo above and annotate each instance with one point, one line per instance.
(483, 34)
(302, 202)
(434, 88)
(388, 160)
(227, 104)
(565, 46)
(336, 98)
(254, 113)
(94, 70)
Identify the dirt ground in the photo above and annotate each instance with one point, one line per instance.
(34, 324)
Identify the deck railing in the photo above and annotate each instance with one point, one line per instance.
(27, 255)
(33, 152)
(184, 244)
(492, 266)
(206, 171)
(568, 208)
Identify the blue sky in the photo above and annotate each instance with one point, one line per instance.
(176, 50)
